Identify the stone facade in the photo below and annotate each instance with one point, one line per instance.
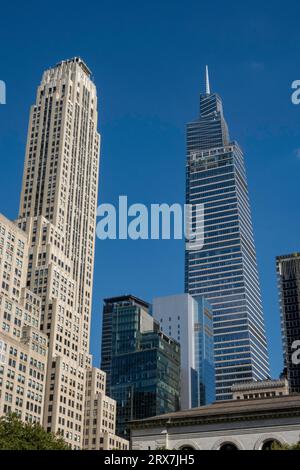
(46, 268)
(260, 389)
(238, 425)
(23, 347)
(100, 415)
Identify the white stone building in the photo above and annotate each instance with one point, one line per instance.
(227, 425)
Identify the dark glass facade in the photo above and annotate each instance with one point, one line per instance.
(288, 271)
(224, 270)
(144, 369)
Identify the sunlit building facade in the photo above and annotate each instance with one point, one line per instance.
(23, 347)
(46, 298)
(224, 270)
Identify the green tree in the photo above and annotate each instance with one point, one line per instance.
(16, 435)
(286, 446)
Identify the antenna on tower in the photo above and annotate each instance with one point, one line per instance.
(207, 85)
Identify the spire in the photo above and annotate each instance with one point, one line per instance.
(207, 85)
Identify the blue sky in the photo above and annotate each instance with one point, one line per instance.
(148, 63)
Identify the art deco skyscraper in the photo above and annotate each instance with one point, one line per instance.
(58, 212)
(224, 271)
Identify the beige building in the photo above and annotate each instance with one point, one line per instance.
(58, 217)
(225, 425)
(58, 212)
(100, 415)
(260, 389)
(23, 348)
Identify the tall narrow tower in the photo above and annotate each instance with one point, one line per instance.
(224, 271)
(58, 211)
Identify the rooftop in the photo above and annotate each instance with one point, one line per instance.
(230, 410)
(77, 60)
(286, 257)
(126, 298)
(259, 384)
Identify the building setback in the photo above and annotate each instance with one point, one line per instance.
(23, 352)
(100, 415)
(189, 320)
(144, 367)
(58, 214)
(224, 271)
(288, 272)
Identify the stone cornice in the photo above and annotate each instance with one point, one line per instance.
(170, 422)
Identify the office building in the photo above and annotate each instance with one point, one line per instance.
(57, 216)
(110, 306)
(23, 347)
(288, 272)
(144, 369)
(224, 270)
(189, 320)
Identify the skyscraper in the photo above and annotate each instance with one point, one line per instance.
(189, 320)
(224, 271)
(58, 213)
(144, 365)
(288, 272)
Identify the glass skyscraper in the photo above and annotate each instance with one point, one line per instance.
(224, 271)
(141, 362)
(288, 272)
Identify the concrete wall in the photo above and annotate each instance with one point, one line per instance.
(249, 436)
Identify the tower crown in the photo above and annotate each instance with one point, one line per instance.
(76, 60)
(207, 84)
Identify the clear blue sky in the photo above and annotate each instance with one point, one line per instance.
(148, 59)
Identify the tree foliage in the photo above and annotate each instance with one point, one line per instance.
(286, 446)
(16, 435)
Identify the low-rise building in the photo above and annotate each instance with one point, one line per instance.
(228, 425)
